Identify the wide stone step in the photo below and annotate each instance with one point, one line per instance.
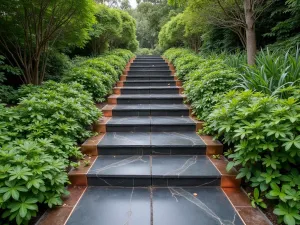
(150, 124)
(148, 90)
(157, 206)
(157, 171)
(149, 64)
(146, 110)
(156, 143)
(143, 83)
(152, 67)
(149, 72)
(149, 60)
(148, 57)
(150, 77)
(147, 99)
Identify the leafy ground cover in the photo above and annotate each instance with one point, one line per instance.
(40, 135)
(255, 110)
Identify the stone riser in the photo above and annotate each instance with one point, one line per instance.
(148, 64)
(149, 128)
(147, 72)
(149, 91)
(143, 68)
(149, 101)
(149, 78)
(149, 83)
(154, 150)
(152, 182)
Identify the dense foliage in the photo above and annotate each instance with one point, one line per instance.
(264, 131)
(114, 28)
(26, 38)
(39, 136)
(204, 79)
(261, 124)
(150, 17)
(37, 139)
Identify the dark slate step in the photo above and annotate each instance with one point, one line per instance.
(149, 72)
(150, 124)
(150, 110)
(146, 143)
(148, 56)
(113, 206)
(182, 171)
(150, 77)
(151, 99)
(150, 90)
(172, 124)
(121, 171)
(154, 206)
(149, 60)
(149, 64)
(145, 68)
(193, 206)
(145, 171)
(143, 83)
(129, 124)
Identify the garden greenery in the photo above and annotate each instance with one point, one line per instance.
(264, 131)
(256, 111)
(204, 80)
(39, 136)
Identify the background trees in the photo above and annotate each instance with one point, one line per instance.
(150, 17)
(28, 28)
(241, 24)
(33, 30)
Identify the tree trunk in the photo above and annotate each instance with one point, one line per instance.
(250, 32)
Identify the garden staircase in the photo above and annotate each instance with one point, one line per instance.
(148, 166)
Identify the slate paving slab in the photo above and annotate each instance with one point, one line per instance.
(192, 206)
(113, 206)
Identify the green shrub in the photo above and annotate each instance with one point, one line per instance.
(31, 172)
(56, 109)
(57, 65)
(95, 82)
(188, 67)
(173, 53)
(125, 54)
(116, 61)
(205, 80)
(204, 92)
(101, 66)
(184, 59)
(7, 94)
(273, 73)
(264, 131)
(37, 140)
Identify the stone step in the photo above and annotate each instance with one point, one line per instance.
(148, 64)
(148, 57)
(157, 171)
(163, 206)
(152, 67)
(143, 83)
(149, 124)
(146, 99)
(148, 60)
(146, 110)
(148, 90)
(156, 143)
(150, 77)
(149, 72)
